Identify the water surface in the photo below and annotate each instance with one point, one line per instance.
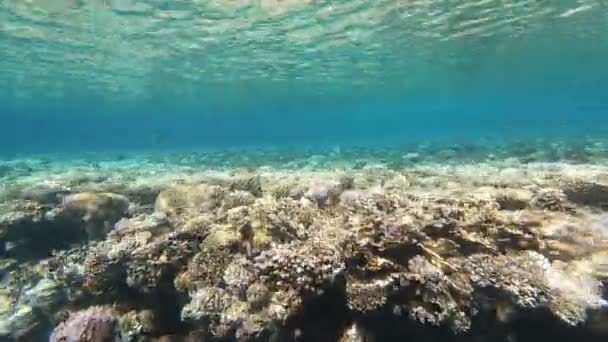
(120, 73)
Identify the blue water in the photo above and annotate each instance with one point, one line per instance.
(135, 96)
(138, 75)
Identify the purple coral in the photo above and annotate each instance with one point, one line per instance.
(95, 324)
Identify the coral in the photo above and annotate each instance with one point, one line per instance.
(326, 192)
(299, 266)
(238, 198)
(368, 296)
(258, 296)
(20, 219)
(17, 318)
(287, 187)
(134, 324)
(436, 298)
(95, 324)
(101, 273)
(289, 220)
(520, 277)
(46, 294)
(205, 269)
(262, 254)
(188, 200)
(19, 322)
(207, 302)
(153, 225)
(138, 263)
(251, 184)
(529, 280)
(99, 211)
(356, 333)
(549, 199)
(38, 228)
(238, 274)
(574, 294)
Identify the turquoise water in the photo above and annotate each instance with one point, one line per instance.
(303, 170)
(126, 74)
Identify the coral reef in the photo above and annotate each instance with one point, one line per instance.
(355, 251)
(96, 324)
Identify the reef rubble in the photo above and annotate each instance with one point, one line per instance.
(496, 250)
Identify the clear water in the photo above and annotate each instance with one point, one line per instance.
(441, 110)
(127, 74)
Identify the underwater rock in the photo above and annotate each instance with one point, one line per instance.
(95, 324)
(39, 228)
(587, 193)
(27, 230)
(47, 192)
(515, 199)
(16, 216)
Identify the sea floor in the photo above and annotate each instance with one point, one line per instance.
(503, 242)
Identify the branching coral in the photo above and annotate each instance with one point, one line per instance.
(241, 256)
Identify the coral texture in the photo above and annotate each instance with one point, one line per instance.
(323, 252)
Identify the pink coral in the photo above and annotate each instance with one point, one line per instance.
(95, 324)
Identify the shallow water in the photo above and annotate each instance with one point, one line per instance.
(299, 170)
(98, 74)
